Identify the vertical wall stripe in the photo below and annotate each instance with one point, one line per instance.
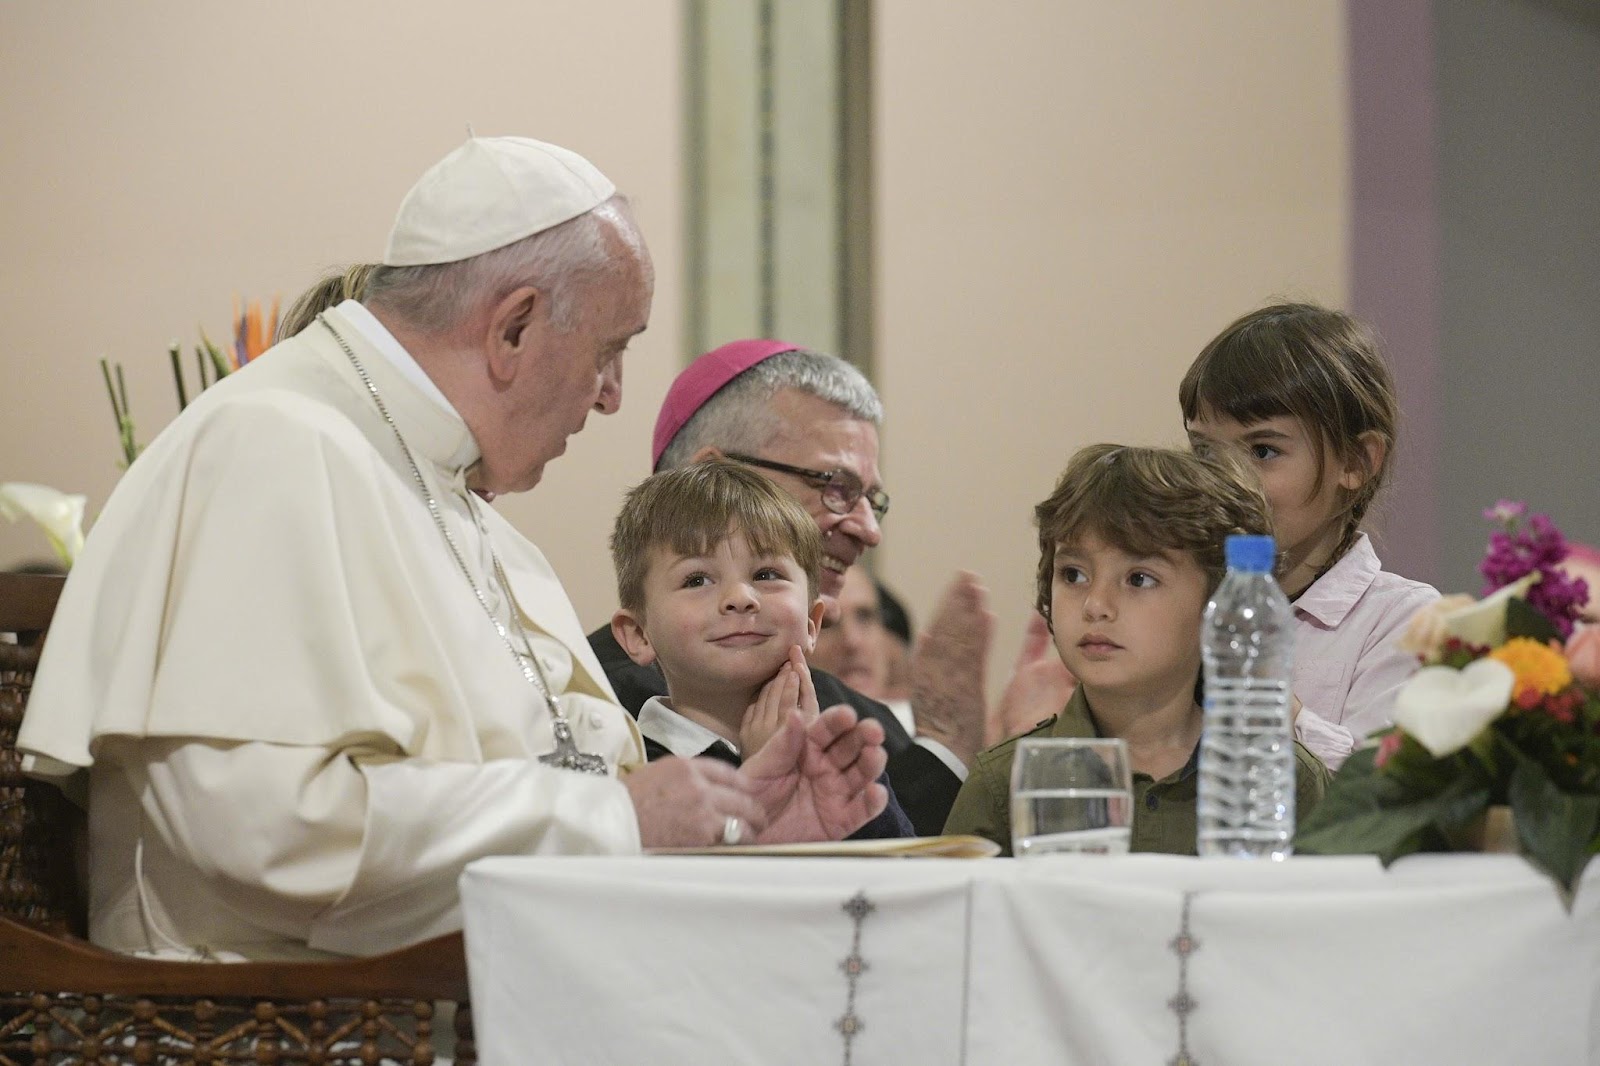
(767, 251)
(724, 179)
(694, 150)
(1395, 251)
(780, 241)
(807, 190)
(1519, 236)
(855, 227)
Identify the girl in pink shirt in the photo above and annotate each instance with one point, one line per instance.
(1303, 390)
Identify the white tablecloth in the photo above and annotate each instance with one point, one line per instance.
(1441, 959)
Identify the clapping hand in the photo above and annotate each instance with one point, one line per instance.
(1040, 685)
(949, 666)
(789, 690)
(818, 781)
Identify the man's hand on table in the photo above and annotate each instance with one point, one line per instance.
(686, 803)
(818, 781)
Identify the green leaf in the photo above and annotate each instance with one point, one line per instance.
(218, 363)
(1525, 620)
(1368, 812)
(1417, 771)
(1558, 830)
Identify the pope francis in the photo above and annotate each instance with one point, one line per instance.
(307, 673)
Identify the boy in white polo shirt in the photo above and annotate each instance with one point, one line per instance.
(717, 573)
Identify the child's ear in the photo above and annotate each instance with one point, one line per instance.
(1364, 464)
(814, 626)
(628, 627)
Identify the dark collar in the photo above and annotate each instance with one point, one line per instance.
(1077, 720)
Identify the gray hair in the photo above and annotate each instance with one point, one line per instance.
(442, 298)
(739, 417)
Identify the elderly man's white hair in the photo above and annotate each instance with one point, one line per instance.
(740, 417)
(561, 262)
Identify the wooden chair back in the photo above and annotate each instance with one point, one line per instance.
(38, 827)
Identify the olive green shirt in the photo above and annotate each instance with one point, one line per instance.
(1164, 811)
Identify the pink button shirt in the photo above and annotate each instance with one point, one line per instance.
(1346, 664)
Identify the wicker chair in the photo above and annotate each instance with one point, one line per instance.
(63, 1000)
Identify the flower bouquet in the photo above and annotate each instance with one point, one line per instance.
(252, 335)
(1505, 711)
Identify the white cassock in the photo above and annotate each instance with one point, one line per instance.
(297, 720)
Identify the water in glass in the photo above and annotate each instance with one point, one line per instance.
(1071, 794)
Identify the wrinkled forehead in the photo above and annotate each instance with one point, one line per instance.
(622, 286)
(818, 435)
(632, 285)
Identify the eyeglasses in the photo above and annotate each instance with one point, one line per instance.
(840, 488)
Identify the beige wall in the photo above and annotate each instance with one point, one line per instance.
(1072, 198)
(162, 157)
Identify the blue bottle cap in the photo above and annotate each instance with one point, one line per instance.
(1251, 553)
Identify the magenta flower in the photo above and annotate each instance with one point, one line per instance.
(1559, 598)
(1520, 549)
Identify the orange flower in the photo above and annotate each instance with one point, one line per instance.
(1541, 670)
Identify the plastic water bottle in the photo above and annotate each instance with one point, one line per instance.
(1246, 798)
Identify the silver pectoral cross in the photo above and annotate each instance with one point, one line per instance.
(567, 756)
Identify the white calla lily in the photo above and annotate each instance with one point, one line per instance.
(1444, 708)
(59, 513)
(1484, 622)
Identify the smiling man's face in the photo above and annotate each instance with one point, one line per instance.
(817, 435)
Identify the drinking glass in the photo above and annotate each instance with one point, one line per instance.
(1071, 794)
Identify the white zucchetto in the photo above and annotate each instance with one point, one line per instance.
(491, 192)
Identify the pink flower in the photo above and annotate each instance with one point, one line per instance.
(1562, 709)
(1506, 511)
(1387, 747)
(1583, 655)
